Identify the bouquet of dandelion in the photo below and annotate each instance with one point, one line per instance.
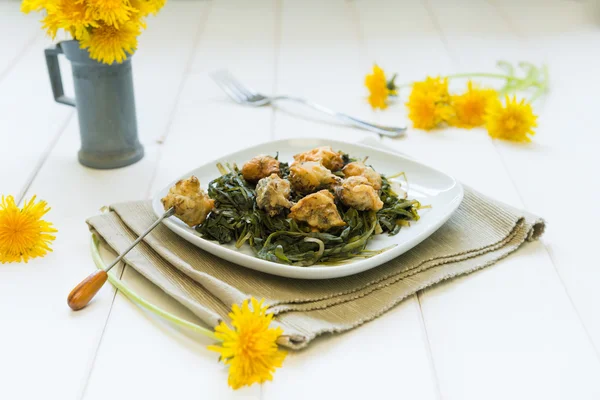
(430, 105)
(108, 29)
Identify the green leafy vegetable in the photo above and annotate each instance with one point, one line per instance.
(237, 218)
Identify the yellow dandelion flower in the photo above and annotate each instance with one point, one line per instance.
(69, 15)
(428, 103)
(250, 349)
(23, 234)
(469, 107)
(142, 7)
(146, 7)
(51, 22)
(112, 12)
(437, 87)
(379, 88)
(156, 5)
(513, 121)
(108, 44)
(28, 6)
(426, 112)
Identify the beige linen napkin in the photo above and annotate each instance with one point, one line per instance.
(478, 234)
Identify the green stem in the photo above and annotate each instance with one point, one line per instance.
(134, 297)
(483, 75)
(508, 78)
(466, 75)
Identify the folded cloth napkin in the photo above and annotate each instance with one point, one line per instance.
(479, 233)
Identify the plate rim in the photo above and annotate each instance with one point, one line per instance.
(315, 272)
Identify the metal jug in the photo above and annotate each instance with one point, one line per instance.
(105, 105)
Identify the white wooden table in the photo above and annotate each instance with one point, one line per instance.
(527, 328)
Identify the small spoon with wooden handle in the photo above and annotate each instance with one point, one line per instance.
(83, 293)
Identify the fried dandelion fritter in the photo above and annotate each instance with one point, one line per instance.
(357, 192)
(358, 168)
(318, 210)
(308, 177)
(272, 194)
(192, 205)
(260, 167)
(325, 155)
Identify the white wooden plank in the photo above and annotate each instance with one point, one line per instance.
(42, 339)
(30, 120)
(562, 34)
(165, 51)
(385, 358)
(321, 58)
(206, 125)
(17, 32)
(512, 322)
(45, 341)
(142, 356)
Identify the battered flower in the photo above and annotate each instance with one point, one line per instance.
(357, 192)
(325, 155)
(318, 210)
(260, 167)
(358, 168)
(272, 194)
(192, 205)
(307, 177)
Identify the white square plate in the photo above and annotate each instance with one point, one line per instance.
(429, 186)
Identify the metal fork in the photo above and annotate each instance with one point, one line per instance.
(246, 96)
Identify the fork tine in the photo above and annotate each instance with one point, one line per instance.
(227, 82)
(233, 94)
(242, 88)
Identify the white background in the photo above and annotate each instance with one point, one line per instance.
(527, 328)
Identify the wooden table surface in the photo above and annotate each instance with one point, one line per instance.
(526, 328)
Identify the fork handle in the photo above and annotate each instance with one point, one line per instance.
(380, 129)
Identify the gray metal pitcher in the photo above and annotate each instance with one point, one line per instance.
(105, 105)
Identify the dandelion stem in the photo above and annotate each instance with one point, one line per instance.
(476, 75)
(484, 75)
(137, 299)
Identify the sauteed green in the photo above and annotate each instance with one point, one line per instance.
(236, 218)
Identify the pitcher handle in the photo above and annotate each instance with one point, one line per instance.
(55, 77)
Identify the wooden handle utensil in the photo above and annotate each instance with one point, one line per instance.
(85, 291)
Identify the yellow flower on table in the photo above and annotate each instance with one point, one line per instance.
(470, 107)
(379, 88)
(109, 44)
(250, 348)
(23, 233)
(437, 87)
(429, 103)
(512, 121)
